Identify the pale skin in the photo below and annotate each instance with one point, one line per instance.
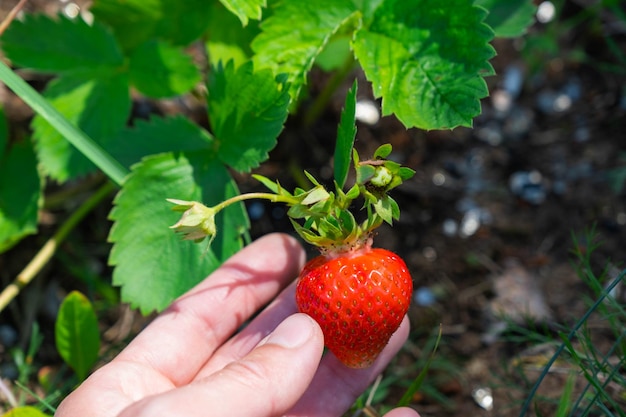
(191, 361)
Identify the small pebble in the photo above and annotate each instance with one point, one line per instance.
(8, 335)
(424, 297)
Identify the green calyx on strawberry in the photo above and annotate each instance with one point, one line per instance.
(358, 294)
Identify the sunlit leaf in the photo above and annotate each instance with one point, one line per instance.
(60, 45)
(227, 40)
(245, 9)
(153, 265)
(159, 70)
(137, 21)
(24, 411)
(427, 60)
(247, 110)
(157, 135)
(99, 107)
(296, 32)
(76, 334)
(20, 200)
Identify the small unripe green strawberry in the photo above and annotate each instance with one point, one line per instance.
(359, 299)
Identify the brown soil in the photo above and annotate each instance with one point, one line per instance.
(571, 164)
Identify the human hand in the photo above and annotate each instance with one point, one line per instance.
(191, 362)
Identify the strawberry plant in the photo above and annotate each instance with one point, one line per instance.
(358, 294)
(426, 60)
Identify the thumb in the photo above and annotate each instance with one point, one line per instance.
(266, 382)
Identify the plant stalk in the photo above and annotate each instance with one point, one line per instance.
(325, 95)
(90, 149)
(274, 198)
(11, 16)
(49, 248)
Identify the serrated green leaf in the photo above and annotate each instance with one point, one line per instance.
(157, 135)
(60, 45)
(227, 40)
(247, 110)
(245, 9)
(137, 21)
(427, 60)
(345, 138)
(99, 107)
(25, 411)
(152, 265)
(509, 18)
(159, 70)
(20, 200)
(76, 334)
(294, 35)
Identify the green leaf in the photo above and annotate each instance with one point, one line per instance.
(296, 32)
(99, 107)
(345, 138)
(427, 60)
(247, 110)
(137, 21)
(60, 45)
(25, 411)
(245, 9)
(21, 199)
(152, 265)
(157, 135)
(159, 70)
(227, 40)
(4, 132)
(76, 334)
(509, 18)
(335, 54)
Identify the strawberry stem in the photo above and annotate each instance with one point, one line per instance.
(320, 217)
(274, 198)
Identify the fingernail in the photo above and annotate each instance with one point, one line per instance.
(293, 332)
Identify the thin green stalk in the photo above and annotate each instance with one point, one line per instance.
(563, 345)
(47, 251)
(274, 198)
(323, 98)
(417, 382)
(92, 151)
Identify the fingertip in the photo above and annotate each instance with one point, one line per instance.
(295, 331)
(402, 412)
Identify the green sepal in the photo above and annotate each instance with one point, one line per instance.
(363, 172)
(269, 184)
(406, 173)
(315, 195)
(383, 151)
(320, 217)
(353, 192)
(311, 178)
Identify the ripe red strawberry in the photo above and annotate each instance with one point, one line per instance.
(357, 294)
(358, 298)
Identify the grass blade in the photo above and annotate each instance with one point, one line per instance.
(111, 167)
(417, 382)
